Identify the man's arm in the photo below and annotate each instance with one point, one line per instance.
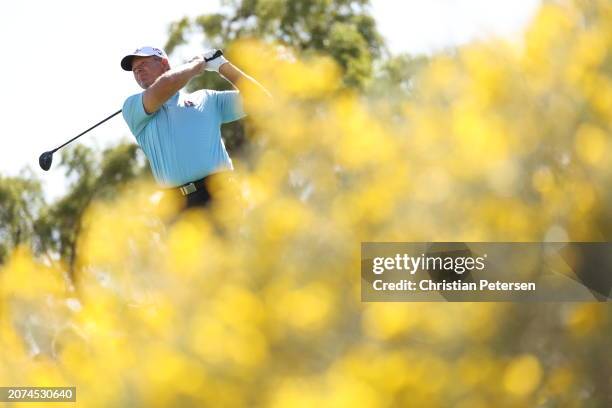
(240, 80)
(169, 83)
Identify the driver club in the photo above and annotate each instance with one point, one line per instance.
(46, 158)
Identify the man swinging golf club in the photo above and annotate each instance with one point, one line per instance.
(180, 133)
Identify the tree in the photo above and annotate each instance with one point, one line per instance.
(341, 29)
(95, 177)
(20, 201)
(395, 78)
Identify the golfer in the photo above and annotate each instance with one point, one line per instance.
(180, 133)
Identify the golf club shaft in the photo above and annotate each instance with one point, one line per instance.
(81, 134)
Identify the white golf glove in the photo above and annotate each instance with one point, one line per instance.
(213, 63)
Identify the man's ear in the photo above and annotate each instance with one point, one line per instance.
(166, 63)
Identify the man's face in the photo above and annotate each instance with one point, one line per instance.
(147, 69)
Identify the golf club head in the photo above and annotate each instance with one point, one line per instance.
(45, 160)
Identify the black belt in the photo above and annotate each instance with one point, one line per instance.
(192, 187)
(200, 184)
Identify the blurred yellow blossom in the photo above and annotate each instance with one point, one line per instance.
(256, 302)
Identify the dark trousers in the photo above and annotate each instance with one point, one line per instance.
(211, 186)
(199, 198)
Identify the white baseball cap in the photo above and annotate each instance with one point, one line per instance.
(126, 62)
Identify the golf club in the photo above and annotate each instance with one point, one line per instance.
(46, 158)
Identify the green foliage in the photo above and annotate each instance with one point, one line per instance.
(93, 178)
(177, 33)
(395, 78)
(20, 201)
(342, 29)
(349, 48)
(51, 228)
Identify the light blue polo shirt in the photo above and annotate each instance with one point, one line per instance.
(182, 140)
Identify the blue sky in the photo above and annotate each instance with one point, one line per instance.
(61, 70)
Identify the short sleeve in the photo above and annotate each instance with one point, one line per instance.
(229, 105)
(135, 115)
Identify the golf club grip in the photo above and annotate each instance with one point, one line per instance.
(82, 133)
(217, 54)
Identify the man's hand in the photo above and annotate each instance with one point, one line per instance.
(199, 62)
(213, 63)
